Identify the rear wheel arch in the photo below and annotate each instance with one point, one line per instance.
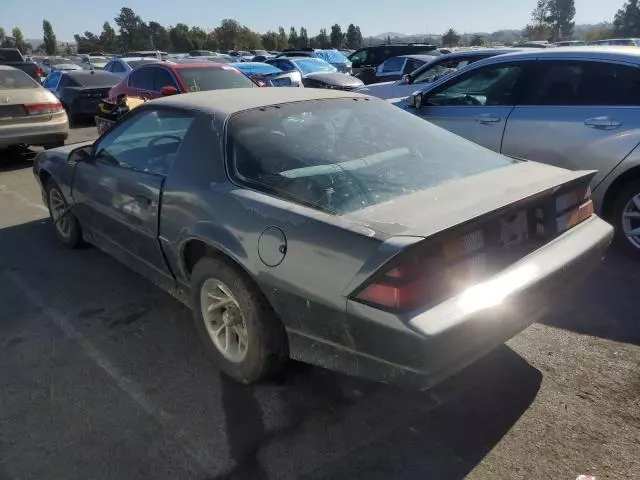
(195, 249)
(616, 188)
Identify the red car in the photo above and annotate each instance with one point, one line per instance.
(154, 80)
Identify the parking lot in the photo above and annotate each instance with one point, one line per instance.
(102, 376)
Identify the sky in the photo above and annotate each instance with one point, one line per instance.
(374, 17)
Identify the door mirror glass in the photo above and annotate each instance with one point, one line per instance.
(82, 154)
(168, 90)
(406, 79)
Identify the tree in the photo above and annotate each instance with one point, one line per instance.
(180, 38)
(560, 18)
(270, 40)
(353, 37)
(450, 38)
(18, 40)
(3, 35)
(108, 38)
(476, 41)
(229, 35)
(337, 37)
(283, 40)
(50, 42)
(88, 42)
(627, 21)
(293, 38)
(303, 38)
(323, 40)
(133, 31)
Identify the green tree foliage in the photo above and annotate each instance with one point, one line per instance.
(303, 38)
(134, 34)
(476, 41)
(353, 38)
(450, 38)
(18, 40)
(293, 38)
(283, 39)
(108, 39)
(627, 21)
(270, 40)
(3, 35)
(560, 18)
(337, 37)
(50, 42)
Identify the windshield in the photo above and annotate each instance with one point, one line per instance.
(199, 79)
(332, 56)
(313, 65)
(343, 155)
(15, 79)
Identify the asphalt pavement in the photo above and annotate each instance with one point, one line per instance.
(102, 377)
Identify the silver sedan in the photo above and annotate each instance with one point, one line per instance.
(574, 107)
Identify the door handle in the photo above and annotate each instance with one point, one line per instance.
(486, 119)
(602, 123)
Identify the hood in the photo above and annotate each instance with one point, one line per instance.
(449, 206)
(389, 91)
(335, 78)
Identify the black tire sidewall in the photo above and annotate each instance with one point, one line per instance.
(629, 191)
(266, 351)
(75, 238)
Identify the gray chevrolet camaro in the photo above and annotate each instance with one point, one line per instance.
(327, 227)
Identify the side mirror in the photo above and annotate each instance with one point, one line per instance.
(168, 90)
(406, 79)
(416, 100)
(356, 64)
(82, 154)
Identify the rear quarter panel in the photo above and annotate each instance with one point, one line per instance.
(323, 252)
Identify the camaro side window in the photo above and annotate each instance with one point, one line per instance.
(147, 142)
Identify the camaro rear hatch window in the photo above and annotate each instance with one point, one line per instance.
(343, 155)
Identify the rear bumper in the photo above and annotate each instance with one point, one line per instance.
(37, 133)
(448, 337)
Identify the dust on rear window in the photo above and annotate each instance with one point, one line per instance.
(15, 79)
(343, 155)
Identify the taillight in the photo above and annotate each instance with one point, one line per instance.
(427, 273)
(39, 72)
(43, 108)
(573, 208)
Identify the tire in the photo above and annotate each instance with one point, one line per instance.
(623, 204)
(68, 229)
(265, 347)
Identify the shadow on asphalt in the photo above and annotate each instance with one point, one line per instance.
(605, 305)
(16, 158)
(308, 423)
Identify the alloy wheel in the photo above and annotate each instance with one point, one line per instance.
(58, 208)
(223, 320)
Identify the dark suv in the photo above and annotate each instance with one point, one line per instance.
(371, 57)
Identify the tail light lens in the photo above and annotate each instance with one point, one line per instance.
(427, 273)
(39, 72)
(47, 108)
(573, 208)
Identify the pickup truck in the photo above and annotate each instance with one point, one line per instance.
(13, 58)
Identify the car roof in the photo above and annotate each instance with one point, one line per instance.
(620, 53)
(223, 103)
(419, 56)
(8, 67)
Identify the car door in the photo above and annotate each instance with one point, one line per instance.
(141, 83)
(476, 104)
(117, 193)
(579, 114)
